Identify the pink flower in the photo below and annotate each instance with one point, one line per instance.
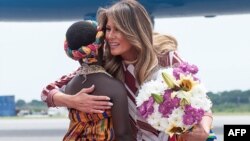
(192, 115)
(185, 69)
(147, 108)
(168, 104)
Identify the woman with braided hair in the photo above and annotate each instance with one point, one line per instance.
(82, 43)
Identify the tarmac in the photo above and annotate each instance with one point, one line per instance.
(53, 129)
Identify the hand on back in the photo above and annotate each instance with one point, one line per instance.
(85, 102)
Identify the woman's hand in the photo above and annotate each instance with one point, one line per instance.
(82, 101)
(90, 103)
(201, 131)
(197, 134)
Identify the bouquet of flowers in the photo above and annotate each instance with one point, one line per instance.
(175, 101)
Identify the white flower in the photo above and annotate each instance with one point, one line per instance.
(176, 117)
(156, 120)
(183, 94)
(147, 89)
(197, 103)
(199, 98)
(198, 91)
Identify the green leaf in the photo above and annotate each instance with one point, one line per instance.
(184, 102)
(158, 98)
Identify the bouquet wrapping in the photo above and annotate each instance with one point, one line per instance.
(175, 101)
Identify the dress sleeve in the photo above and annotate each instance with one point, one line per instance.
(52, 88)
(170, 59)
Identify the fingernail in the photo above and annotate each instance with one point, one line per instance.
(110, 104)
(108, 98)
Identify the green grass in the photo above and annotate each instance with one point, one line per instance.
(231, 113)
(231, 108)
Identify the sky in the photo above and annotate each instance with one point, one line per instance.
(32, 53)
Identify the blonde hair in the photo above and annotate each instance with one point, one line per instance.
(163, 44)
(133, 21)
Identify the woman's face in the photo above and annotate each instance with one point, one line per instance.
(118, 44)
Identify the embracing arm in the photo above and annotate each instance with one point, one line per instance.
(81, 101)
(206, 121)
(50, 90)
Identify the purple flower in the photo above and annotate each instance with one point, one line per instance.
(167, 94)
(169, 104)
(188, 119)
(176, 102)
(176, 72)
(201, 112)
(199, 115)
(192, 115)
(188, 108)
(165, 109)
(185, 69)
(184, 66)
(193, 69)
(147, 108)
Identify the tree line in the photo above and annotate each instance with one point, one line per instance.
(33, 106)
(231, 101)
